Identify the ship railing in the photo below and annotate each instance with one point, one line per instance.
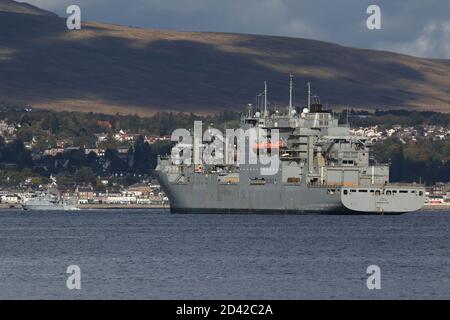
(330, 186)
(403, 184)
(356, 185)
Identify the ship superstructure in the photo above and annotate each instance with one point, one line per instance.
(322, 168)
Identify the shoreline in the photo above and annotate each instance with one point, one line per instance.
(123, 206)
(5, 206)
(436, 207)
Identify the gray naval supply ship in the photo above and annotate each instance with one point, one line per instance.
(322, 169)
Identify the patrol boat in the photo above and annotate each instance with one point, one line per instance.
(322, 169)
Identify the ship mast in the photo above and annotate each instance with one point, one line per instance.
(265, 98)
(309, 96)
(290, 95)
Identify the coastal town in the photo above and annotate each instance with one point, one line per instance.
(438, 194)
(102, 161)
(404, 133)
(137, 196)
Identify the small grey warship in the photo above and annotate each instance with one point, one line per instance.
(48, 202)
(322, 169)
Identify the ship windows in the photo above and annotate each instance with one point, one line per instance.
(345, 191)
(403, 191)
(295, 180)
(420, 193)
(347, 162)
(388, 193)
(363, 190)
(378, 192)
(257, 181)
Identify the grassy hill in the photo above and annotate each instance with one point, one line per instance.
(111, 68)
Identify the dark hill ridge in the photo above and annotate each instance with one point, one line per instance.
(110, 68)
(22, 7)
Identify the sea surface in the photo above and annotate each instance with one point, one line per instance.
(152, 254)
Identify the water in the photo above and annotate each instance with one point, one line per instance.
(151, 254)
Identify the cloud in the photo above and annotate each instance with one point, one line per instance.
(432, 42)
(408, 26)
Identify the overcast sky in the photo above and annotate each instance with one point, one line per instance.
(416, 27)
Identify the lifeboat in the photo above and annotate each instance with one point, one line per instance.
(270, 145)
(198, 169)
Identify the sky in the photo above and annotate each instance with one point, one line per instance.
(416, 27)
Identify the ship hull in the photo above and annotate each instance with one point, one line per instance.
(42, 208)
(338, 211)
(48, 208)
(34, 205)
(205, 196)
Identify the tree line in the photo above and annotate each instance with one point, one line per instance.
(74, 166)
(425, 160)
